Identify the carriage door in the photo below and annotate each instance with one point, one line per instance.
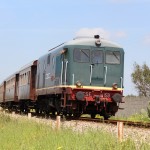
(97, 67)
(44, 73)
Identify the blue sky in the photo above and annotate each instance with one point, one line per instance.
(29, 28)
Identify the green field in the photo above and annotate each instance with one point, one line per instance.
(21, 134)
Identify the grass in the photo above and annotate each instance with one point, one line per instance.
(21, 134)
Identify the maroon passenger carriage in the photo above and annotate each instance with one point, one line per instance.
(17, 92)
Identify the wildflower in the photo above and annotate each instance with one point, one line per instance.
(60, 147)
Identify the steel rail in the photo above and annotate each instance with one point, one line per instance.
(125, 122)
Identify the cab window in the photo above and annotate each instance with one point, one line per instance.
(82, 55)
(113, 57)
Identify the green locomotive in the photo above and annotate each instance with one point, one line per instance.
(81, 76)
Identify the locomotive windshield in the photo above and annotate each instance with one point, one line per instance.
(112, 57)
(82, 55)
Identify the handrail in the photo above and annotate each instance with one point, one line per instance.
(66, 72)
(72, 79)
(121, 80)
(105, 76)
(91, 72)
(61, 72)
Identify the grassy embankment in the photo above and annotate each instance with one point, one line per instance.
(138, 117)
(21, 134)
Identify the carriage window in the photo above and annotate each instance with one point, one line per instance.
(112, 57)
(81, 55)
(97, 57)
(28, 77)
(48, 59)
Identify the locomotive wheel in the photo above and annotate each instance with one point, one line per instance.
(93, 116)
(53, 113)
(70, 114)
(77, 115)
(105, 115)
(37, 111)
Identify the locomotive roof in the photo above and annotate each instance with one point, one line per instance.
(88, 41)
(91, 42)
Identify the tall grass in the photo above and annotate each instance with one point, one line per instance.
(20, 134)
(142, 116)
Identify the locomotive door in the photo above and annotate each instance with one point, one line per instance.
(61, 70)
(113, 66)
(97, 67)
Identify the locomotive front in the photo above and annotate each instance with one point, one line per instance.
(94, 77)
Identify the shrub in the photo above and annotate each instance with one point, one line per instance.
(148, 110)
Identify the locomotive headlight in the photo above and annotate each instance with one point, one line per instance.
(98, 42)
(78, 84)
(115, 86)
(63, 51)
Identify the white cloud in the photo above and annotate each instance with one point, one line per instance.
(93, 31)
(120, 34)
(90, 32)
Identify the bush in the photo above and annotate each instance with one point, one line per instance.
(148, 110)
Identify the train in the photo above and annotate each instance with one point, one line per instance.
(82, 76)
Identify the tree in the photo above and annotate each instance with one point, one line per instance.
(141, 79)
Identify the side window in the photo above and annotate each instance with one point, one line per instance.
(53, 61)
(97, 56)
(82, 55)
(28, 77)
(25, 78)
(113, 57)
(44, 65)
(22, 79)
(48, 59)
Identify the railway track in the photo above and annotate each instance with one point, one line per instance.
(100, 120)
(125, 122)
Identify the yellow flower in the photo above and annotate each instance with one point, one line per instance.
(59, 147)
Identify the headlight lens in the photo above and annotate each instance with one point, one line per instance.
(78, 84)
(115, 86)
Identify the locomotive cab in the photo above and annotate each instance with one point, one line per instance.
(95, 75)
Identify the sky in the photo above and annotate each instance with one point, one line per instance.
(29, 28)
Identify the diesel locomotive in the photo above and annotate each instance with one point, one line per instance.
(81, 76)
